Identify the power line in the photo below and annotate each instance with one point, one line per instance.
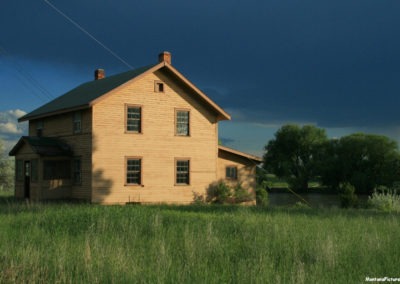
(45, 94)
(88, 34)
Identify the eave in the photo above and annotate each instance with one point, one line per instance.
(253, 158)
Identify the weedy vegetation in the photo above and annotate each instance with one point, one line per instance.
(83, 243)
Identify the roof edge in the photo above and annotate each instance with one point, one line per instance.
(222, 115)
(60, 111)
(151, 69)
(17, 146)
(240, 153)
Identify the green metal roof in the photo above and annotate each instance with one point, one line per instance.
(82, 95)
(43, 146)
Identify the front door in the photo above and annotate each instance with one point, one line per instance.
(27, 179)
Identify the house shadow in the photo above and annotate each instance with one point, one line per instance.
(101, 186)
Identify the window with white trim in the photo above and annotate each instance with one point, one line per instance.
(182, 171)
(134, 119)
(133, 171)
(77, 122)
(231, 172)
(77, 171)
(182, 123)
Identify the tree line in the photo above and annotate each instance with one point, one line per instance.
(300, 154)
(6, 170)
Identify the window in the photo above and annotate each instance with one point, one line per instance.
(19, 170)
(39, 128)
(231, 172)
(34, 170)
(56, 169)
(182, 123)
(134, 119)
(134, 171)
(182, 171)
(77, 171)
(77, 122)
(158, 87)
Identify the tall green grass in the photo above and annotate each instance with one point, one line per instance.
(78, 243)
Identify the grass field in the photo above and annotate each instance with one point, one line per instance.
(81, 243)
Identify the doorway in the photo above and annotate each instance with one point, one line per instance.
(27, 179)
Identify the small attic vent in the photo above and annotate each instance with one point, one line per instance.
(158, 87)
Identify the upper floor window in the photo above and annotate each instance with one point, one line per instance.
(182, 123)
(231, 172)
(158, 87)
(133, 171)
(39, 128)
(77, 122)
(134, 119)
(182, 171)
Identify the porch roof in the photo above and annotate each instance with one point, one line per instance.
(43, 146)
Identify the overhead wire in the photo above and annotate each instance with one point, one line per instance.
(29, 80)
(288, 188)
(88, 34)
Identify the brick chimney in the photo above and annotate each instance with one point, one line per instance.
(164, 57)
(99, 74)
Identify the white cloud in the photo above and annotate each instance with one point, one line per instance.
(16, 113)
(10, 128)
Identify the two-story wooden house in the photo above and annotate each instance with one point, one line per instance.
(146, 135)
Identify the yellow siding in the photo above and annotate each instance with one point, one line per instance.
(246, 170)
(157, 145)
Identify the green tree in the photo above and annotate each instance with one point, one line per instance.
(6, 170)
(296, 154)
(363, 160)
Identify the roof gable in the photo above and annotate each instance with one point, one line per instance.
(92, 92)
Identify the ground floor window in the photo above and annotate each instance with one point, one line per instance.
(77, 171)
(231, 172)
(134, 171)
(19, 170)
(182, 171)
(56, 169)
(34, 170)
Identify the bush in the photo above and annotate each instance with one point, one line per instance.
(347, 195)
(385, 199)
(301, 205)
(261, 195)
(198, 199)
(221, 193)
(240, 194)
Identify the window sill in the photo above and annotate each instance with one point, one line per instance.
(133, 185)
(132, 132)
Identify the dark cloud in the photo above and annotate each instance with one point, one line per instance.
(334, 63)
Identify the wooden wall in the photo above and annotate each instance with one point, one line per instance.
(157, 145)
(246, 170)
(61, 126)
